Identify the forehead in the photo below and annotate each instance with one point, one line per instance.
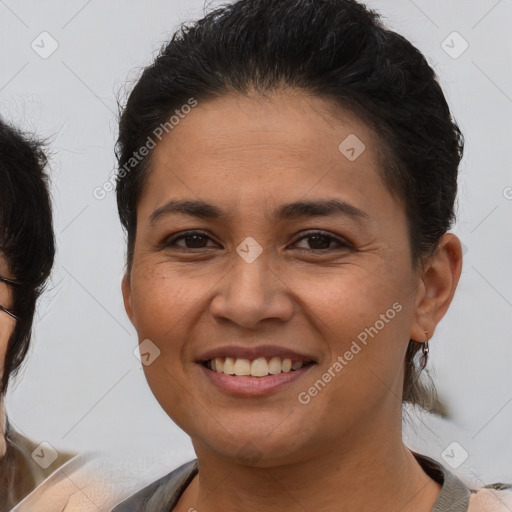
(234, 124)
(252, 146)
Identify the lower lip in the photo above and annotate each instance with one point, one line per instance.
(254, 386)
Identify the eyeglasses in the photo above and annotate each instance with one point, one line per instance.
(9, 282)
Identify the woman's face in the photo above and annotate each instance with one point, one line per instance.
(332, 288)
(7, 323)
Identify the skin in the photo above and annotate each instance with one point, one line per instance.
(7, 323)
(248, 155)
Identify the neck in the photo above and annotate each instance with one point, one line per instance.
(376, 473)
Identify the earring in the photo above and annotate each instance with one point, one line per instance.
(425, 350)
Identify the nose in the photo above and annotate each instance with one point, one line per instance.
(252, 292)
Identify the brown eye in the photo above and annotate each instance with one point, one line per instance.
(318, 240)
(192, 240)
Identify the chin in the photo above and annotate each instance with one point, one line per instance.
(255, 447)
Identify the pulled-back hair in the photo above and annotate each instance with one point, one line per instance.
(333, 49)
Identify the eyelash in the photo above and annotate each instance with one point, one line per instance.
(171, 241)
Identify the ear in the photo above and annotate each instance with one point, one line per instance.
(439, 280)
(126, 288)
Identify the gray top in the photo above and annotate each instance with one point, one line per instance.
(163, 494)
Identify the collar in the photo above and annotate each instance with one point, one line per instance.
(454, 494)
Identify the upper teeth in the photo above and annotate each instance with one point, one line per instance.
(259, 367)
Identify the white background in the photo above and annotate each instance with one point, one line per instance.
(82, 388)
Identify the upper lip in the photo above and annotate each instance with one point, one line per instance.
(267, 351)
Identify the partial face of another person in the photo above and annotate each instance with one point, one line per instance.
(253, 274)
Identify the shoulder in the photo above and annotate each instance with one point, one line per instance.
(27, 452)
(89, 482)
(24, 466)
(164, 493)
(491, 498)
(461, 492)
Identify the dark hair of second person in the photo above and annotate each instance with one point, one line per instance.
(27, 250)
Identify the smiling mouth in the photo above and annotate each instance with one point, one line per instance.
(259, 367)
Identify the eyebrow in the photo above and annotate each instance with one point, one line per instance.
(298, 209)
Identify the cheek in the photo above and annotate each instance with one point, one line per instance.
(364, 318)
(349, 301)
(164, 307)
(6, 330)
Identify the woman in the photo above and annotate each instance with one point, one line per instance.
(26, 258)
(288, 172)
